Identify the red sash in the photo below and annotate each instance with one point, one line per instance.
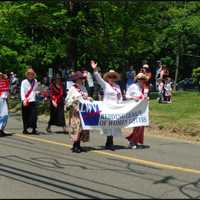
(56, 93)
(29, 92)
(4, 86)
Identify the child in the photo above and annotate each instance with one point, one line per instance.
(168, 90)
(161, 90)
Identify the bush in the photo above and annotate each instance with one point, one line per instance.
(196, 76)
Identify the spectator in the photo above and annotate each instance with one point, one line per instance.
(130, 75)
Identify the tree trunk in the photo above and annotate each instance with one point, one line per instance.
(178, 52)
(73, 34)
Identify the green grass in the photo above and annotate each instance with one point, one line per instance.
(182, 116)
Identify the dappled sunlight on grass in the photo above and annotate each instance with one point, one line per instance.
(182, 116)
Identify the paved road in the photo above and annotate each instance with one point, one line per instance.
(44, 167)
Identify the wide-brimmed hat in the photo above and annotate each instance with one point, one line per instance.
(113, 74)
(77, 75)
(141, 76)
(146, 66)
(30, 71)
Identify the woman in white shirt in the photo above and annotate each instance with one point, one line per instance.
(112, 94)
(28, 97)
(137, 92)
(76, 93)
(4, 90)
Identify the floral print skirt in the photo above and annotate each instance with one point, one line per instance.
(76, 132)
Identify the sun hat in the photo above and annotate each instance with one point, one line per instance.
(145, 66)
(77, 75)
(141, 76)
(30, 71)
(113, 74)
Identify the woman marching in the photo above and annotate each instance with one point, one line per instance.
(137, 92)
(112, 94)
(4, 91)
(28, 97)
(57, 116)
(76, 93)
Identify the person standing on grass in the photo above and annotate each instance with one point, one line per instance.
(4, 91)
(112, 94)
(137, 92)
(28, 97)
(57, 116)
(76, 93)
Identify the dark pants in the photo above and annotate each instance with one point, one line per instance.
(29, 116)
(57, 115)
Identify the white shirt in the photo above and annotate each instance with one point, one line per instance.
(25, 87)
(74, 95)
(134, 90)
(111, 93)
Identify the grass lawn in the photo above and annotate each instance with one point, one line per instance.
(182, 117)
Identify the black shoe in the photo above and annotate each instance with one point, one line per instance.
(25, 132)
(76, 150)
(110, 147)
(34, 132)
(2, 133)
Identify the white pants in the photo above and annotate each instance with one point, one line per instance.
(3, 113)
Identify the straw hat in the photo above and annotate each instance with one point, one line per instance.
(112, 73)
(141, 76)
(145, 66)
(77, 75)
(30, 71)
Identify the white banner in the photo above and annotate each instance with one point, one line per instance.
(128, 114)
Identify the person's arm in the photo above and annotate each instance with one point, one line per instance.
(97, 76)
(22, 91)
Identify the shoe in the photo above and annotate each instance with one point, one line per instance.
(34, 132)
(130, 145)
(48, 130)
(76, 150)
(25, 132)
(110, 147)
(2, 133)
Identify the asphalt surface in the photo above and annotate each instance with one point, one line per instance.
(44, 167)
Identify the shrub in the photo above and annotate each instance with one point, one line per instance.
(196, 76)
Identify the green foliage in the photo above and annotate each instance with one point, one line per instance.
(113, 32)
(196, 75)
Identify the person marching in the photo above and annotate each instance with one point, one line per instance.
(137, 92)
(4, 91)
(57, 116)
(112, 94)
(28, 97)
(76, 93)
